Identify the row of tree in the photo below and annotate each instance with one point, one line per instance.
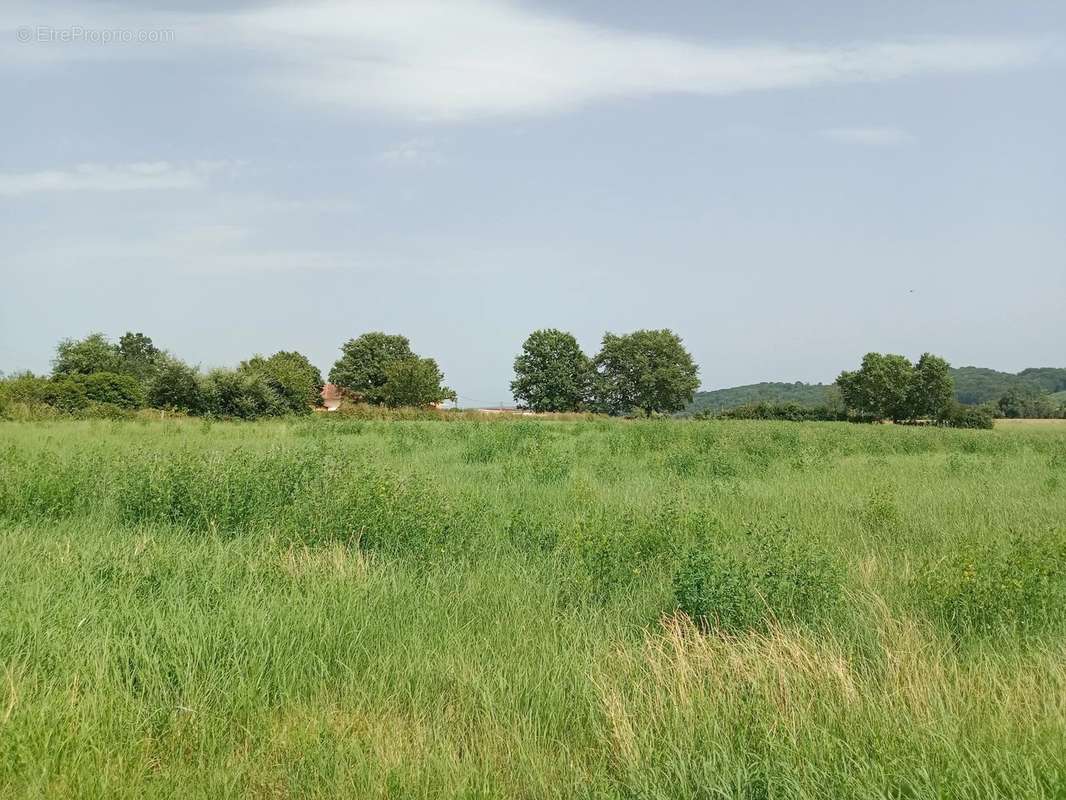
(646, 372)
(95, 373)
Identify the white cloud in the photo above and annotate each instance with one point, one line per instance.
(469, 59)
(412, 153)
(873, 137)
(111, 177)
(477, 58)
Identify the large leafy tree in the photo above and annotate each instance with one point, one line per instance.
(551, 372)
(648, 371)
(932, 390)
(296, 381)
(134, 355)
(364, 360)
(888, 386)
(414, 382)
(139, 356)
(880, 388)
(86, 356)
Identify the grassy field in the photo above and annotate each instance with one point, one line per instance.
(339, 608)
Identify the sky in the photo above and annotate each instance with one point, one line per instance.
(785, 185)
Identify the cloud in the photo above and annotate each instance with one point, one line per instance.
(412, 153)
(480, 58)
(137, 176)
(473, 59)
(872, 137)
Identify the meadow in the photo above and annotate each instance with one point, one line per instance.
(332, 607)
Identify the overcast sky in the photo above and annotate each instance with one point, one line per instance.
(786, 185)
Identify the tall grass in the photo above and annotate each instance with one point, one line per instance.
(361, 608)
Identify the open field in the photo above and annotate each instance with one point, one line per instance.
(340, 608)
(1031, 423)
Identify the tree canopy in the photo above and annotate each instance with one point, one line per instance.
(552, 373)
(889, 386)
(648, 371)
(364, 361)
(414, 382)
(290, 375)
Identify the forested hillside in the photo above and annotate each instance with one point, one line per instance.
(806, 394)
(973, 385)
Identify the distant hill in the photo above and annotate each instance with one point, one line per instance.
(973, 385)
(805, 394)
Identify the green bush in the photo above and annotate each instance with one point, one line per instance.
(177, 386)
(23, 388)
(241, 395)
(992, 586)
(772, 576)
(66, 395)
(789, 412)
(960, 416)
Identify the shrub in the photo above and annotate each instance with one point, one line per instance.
(790, 412)
(961, 416)
(772, 575)
(66, 395)
(239, 394)
(291, 376)
(24, 389)
(123, 391)
(177, 386)
(991, 586)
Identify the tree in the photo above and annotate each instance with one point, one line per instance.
(1028, 402)
(245, 395)
(880, 389)
(139, 356)
(414, 382)
(551, 373)
(176, 386)
(932, 390)
(890, 387)
(361, 367)
(85, 356)
(648, 370)
(291, 376)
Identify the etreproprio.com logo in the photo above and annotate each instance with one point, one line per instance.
(78, 34)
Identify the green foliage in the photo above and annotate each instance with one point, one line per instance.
(552, 374)
(1024, 402)
(931, 392)
(291, 376)
(22, 389)
(890, 387)
(123, 391)
(974, 385)
(177, 386)
(880, 389)
(1017, 584)
(648, 371)
(960, 416)
(139, 356)
(241, 395)
(361, 367)
(759, 394)
(414, 382)
(85, 356)
(773, 576)
(790, 412)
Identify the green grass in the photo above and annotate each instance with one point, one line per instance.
(345, 608)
